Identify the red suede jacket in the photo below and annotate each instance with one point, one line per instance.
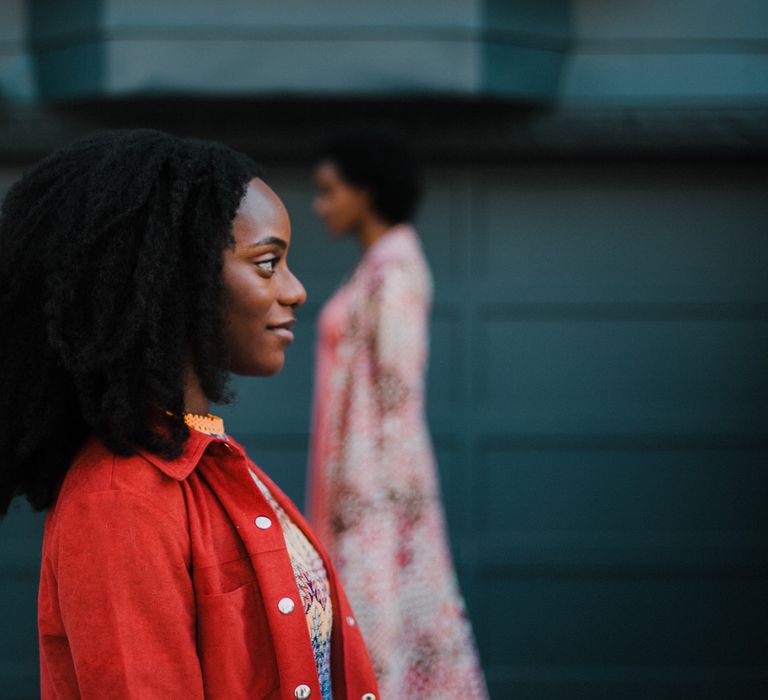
(156, 583)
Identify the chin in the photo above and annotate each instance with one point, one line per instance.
(336, 231)
(261, 367)
(273, 367)
(271, 371)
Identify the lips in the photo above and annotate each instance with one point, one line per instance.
(288, 325)
(284, 329)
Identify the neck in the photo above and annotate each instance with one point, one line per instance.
(195, 400)
(371, 231)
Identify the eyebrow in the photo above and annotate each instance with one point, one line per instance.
(269, 240)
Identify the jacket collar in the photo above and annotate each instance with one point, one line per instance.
(181, 467)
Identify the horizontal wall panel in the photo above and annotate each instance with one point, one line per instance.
(607, 622)
(636, 489)
(550, 682)
(533, 417)
(636, 360)
(612, 555)
(621, 238)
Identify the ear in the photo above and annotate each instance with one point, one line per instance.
(366, 198)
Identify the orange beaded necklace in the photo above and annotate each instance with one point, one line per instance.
(210, 424)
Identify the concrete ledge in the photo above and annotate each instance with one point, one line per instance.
(463, 130)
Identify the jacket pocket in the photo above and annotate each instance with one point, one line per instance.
(235, 645)
(223, 577)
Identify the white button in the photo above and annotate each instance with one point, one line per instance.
(350, 620)
(303, 691)
(286, 606)
(226, 445)
(368, 696)
(263, 522)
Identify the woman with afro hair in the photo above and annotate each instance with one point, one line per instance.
(137, 272)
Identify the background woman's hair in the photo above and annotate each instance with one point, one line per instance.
(110, 285)
(381, 162)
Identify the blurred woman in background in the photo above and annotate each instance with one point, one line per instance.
(373, 493)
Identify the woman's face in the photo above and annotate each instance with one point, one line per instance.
(339, 205)
(261, 292)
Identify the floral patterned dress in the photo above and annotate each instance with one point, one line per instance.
(374, 498)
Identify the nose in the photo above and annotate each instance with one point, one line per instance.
(292, 292)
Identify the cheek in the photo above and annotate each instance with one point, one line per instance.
(253, 349)
(249, 299)
(347, 209)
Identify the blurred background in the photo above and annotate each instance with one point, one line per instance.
(597, 222)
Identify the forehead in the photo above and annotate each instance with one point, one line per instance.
(261, 213)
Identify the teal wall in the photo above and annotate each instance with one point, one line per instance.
(599, 400)
(598, 393)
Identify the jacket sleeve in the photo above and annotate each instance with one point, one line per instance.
(400, 307)
(126, 599)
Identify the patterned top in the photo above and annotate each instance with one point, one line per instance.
(314, 588)
(308, 568)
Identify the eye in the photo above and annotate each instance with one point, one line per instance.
(267, 265)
